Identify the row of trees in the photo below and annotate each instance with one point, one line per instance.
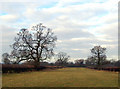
(37, 44)
(97, 58)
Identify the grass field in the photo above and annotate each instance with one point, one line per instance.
(66, 77)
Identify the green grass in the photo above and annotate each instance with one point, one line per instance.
(66, 77)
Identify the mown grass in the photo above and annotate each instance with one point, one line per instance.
(66, 77)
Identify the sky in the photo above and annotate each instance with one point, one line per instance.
(79, 24)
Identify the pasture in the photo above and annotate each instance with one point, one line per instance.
(65, 77)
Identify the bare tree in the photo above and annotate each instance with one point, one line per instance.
(79, 61)
(98, 55)
(62, 58)
(6, 58)
(35, 44)
(90, 61)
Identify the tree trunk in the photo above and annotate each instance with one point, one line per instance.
(98, 59)
(36, 64)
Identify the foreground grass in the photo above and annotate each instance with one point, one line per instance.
(66, 77)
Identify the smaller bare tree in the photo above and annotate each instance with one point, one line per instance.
(62, 58)
(79, 61)
(6, 58)
(98, 55)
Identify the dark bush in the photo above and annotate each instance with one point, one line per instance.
(16, 68)
(115, 69)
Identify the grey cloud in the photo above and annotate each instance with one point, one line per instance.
(68, 22)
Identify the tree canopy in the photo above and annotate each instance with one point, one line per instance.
(98, 55)
(35, 44)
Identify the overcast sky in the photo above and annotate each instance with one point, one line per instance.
(79, 24)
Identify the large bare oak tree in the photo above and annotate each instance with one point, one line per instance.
(35, 44)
